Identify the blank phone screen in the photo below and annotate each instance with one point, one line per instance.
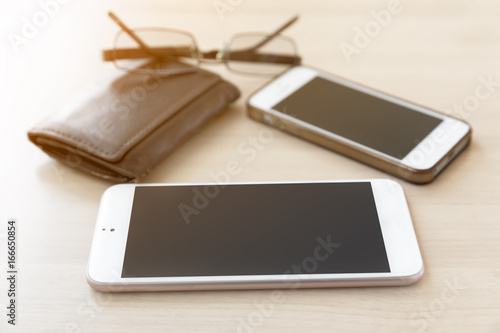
(368, 120)
(254, 229)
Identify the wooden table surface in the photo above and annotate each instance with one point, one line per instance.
(432, 53)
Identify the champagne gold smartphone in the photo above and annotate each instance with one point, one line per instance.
(385, 132)
(253, 236)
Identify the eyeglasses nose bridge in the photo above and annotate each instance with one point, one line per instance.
(221, 54)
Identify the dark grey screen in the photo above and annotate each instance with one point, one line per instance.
(255, 229)
(376, 123)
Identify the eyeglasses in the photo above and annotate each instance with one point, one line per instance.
(248, 53)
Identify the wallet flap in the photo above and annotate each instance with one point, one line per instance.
(117, 114)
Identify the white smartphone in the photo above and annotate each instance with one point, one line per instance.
(253, 236)
(399, 137)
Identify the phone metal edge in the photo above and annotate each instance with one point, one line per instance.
(404, 255)
(115, 273)
(352, 149)
(257, 281)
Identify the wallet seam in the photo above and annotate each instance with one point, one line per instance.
(218, 107)
(91, 148)
(119, 172)
(184, 100)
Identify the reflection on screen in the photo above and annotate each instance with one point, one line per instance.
(255, 229)
(376, 123)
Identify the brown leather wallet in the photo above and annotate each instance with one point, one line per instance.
(122, 127)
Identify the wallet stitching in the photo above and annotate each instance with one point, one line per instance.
(137, 133)
(90, 167)
(87, 143)
(218, 106)
(161, 115)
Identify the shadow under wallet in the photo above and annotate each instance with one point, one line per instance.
(121, 128)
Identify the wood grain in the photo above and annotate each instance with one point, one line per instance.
(432, 53)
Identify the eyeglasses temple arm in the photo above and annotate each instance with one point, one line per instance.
(275, 33)
(138, 53)
(165, 52)
(130, 33)
(213, 54)
(110, 55)
(266, 58)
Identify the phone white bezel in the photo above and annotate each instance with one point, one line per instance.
(108, 248)
(423, 157)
